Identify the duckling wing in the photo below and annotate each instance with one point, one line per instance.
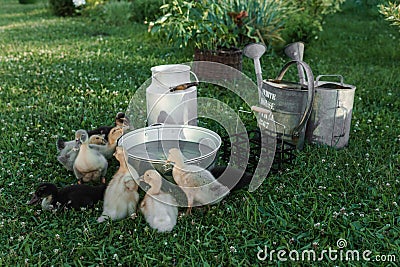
(81, 196)
(211, 193)
(158, 214)
(67, 157)
(195, 176)
(106, 150)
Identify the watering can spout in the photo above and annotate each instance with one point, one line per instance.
(255, 51)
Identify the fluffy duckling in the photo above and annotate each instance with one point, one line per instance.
(74, 196)
(231, 177)
(109, 149)
(120, 120)
(121, 196)
(67, 153)
(90, 164)
(199, 184)
(159, 208)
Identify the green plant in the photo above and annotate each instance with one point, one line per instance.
(264, 21)
(221, 23)
(204, 24)
(391, 11)
(147, 10)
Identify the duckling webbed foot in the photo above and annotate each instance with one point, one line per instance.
(189, 211)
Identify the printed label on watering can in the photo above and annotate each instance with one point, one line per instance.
(290, 104)
(266, 101)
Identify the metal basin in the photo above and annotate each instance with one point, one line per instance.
(148, 147)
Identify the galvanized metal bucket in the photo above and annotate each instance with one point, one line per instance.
(290, 103)
(330, 119)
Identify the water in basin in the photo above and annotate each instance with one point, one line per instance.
(158, 150)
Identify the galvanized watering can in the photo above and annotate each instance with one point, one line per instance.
(290, 102)
(330, 119)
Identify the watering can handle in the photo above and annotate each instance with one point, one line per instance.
(329, 75)
(311, 92)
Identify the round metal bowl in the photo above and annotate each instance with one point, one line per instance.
(148, 148)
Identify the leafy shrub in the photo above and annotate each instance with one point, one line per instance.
(212, 24)
(391, 11)
(307, 22)
(66, 8)
(265, 19)
(147, 10)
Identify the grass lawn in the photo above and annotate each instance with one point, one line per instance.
(58, 75)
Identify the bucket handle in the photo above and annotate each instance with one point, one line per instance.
(311, 92)
(329, 75)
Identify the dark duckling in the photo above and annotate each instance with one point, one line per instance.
(120, 120)
(228, 176)
(73, 196)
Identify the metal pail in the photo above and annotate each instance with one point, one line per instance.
(330, 119)
(290, 103)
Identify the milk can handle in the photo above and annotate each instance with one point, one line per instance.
(171, 87)
(311, 92)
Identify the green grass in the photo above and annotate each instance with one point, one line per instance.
(62, 74)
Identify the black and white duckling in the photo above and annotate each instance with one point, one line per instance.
(235, 179)
(159, 208)
(73, 196)
(121, 196)
(109, 149)
(90, 164)
(199, 184)
(67, 152)
(120, 120)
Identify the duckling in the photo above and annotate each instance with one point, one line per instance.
(109, 149)
(73, 196)
(120, 120)
(159, 208)
(121, 196)
(198, 183)
(90, 164)
(235, 179)
(67, 153)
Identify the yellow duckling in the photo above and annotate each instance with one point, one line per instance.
(121, 196)
(159, 208)
(199, 184)
(68, 154)
(90, 164)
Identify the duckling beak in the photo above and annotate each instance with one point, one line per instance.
(35, 199)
